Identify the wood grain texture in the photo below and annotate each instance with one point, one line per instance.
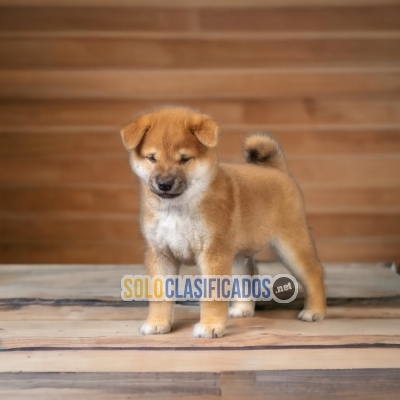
(254, 332)
(359, 249)
(89, 227)
(81, 229)
(114, 385)
(193, 3)
(326, 384)
(183, 84)
(67, 252)
(206, 360)
(103, 142)
(352, 200)
(324, 79)
(318, 19)
(102, 282)
(338, 18)
(66, 201)
(71, 201)
(267, 114)
(121, 252)
(317, 171)
(50, 346)
(164, 52)
(109, 312)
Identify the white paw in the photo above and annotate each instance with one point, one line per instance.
(208, 331)
(242, 310)
(310, 315)
(153, 329)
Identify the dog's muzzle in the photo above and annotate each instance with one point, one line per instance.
(168, 187)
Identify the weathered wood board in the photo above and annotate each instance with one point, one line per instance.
(102, 282)
(306, 384)
(78, 307)
(65, 332)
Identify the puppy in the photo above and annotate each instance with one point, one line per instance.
(195, 210)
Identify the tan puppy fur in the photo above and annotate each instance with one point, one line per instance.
(198, 211)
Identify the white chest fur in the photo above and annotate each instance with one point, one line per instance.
(178, 230)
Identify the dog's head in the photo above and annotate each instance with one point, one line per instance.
(173, 150)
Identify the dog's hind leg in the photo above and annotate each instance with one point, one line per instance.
(296, 250)
(239, 309)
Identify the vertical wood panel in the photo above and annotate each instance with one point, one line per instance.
(324, 78)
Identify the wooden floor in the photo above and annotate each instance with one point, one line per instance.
(65, 332)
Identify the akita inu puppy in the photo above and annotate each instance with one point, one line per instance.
(195, 210)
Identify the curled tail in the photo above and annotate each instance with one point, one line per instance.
(264, 150)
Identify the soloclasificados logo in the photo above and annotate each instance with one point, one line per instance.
(282, 288)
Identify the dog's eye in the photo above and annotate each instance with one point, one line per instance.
(151, 158)
(184, 159)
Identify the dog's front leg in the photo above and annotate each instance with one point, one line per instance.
(161, 313)
(242, 266)
(213, 314)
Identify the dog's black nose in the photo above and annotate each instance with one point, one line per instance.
(165, 184)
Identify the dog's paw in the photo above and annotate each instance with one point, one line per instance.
(208, 331)
(242, 310)
(311, 316)
(150, 328)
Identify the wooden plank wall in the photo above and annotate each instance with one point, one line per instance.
(323, 78)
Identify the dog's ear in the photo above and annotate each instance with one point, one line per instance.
(205, 129)
(133, 133)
